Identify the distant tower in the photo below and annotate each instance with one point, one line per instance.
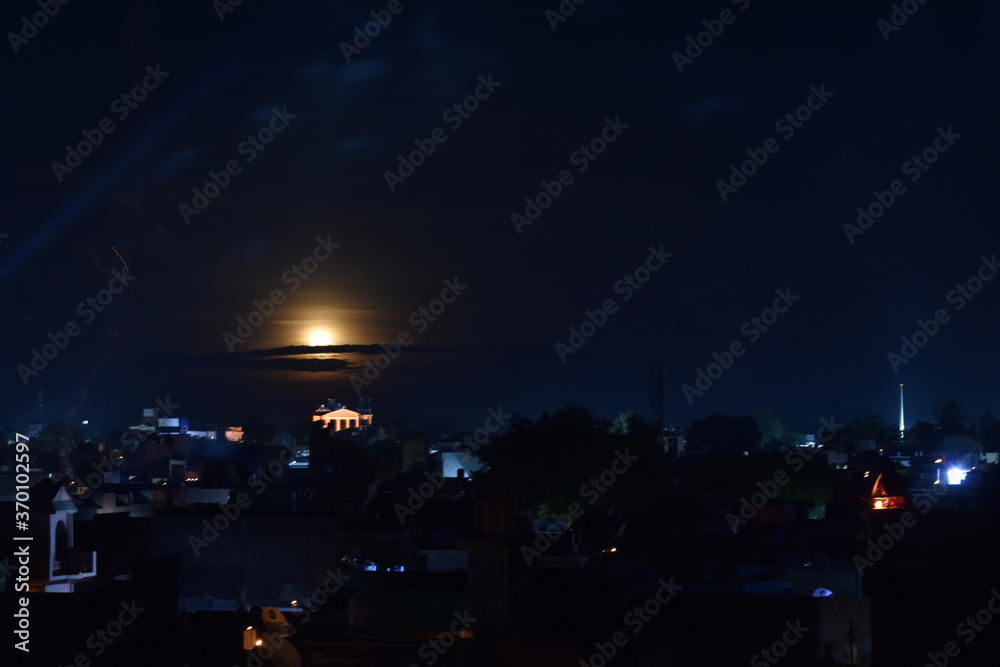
(901, 425)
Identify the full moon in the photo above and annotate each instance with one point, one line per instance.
(319, 337)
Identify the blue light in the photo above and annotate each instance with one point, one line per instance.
(956, 475)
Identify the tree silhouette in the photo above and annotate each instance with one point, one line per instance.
(924, 436)
(724, 433)
(547, 461)
(54, 447)
(951, 420)
(774, 429)
(256, 432)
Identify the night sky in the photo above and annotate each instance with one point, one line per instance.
(518, 285)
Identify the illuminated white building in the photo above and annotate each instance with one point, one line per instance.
(339, 418)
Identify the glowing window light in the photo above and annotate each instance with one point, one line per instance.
(956, 475)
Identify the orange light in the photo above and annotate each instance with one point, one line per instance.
(319, 336)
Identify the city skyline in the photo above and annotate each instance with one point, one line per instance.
(263, 190)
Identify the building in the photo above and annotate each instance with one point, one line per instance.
(340, 418)
(457, 459)
(55, 564)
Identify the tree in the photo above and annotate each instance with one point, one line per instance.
(873, 427)
(552, 461)
(951, 420)
(924, 436)
(730, 477)
(256, 432)
(623, 422)
(54, 447)
(869, 427)
(723, 433)
(774, 429)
